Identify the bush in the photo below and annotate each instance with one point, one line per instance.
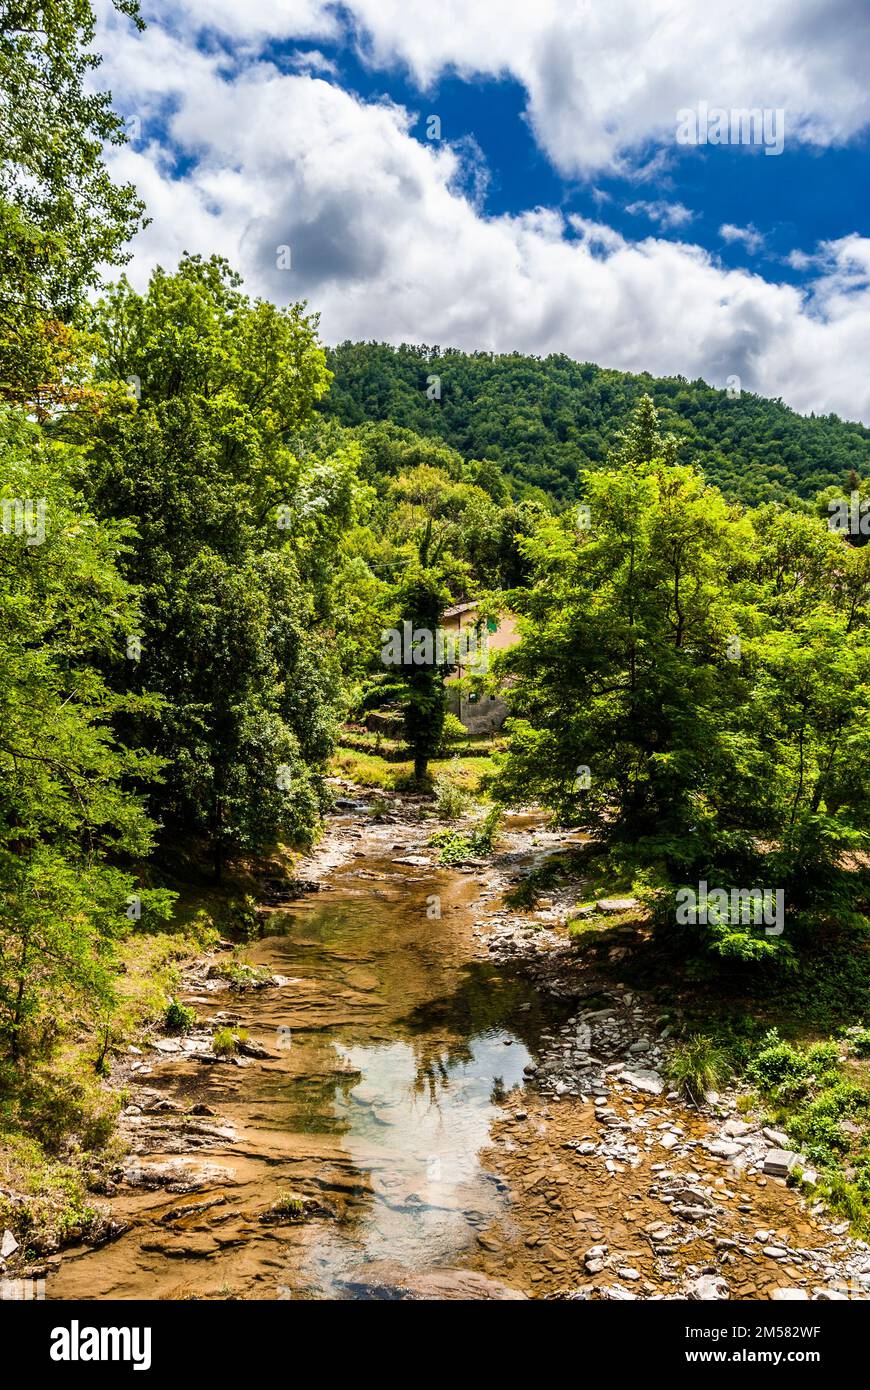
(451, 800)
(452, 733)
(178, 1017)
(457, 847)
(697, 1066)
(787, 1073)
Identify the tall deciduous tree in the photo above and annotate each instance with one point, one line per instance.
(693, 683)
(71, 811)
(239, 528)
(61, 215)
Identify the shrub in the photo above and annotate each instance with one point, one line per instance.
(178, 1017)
(453, 732)
(456, 847)
(451, 800)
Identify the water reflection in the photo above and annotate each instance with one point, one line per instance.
(415, 1128)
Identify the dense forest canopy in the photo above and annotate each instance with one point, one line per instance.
(544, 420)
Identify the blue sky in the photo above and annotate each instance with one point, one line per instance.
(795, 200)
(558, 211)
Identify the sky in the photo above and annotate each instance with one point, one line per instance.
(514, 176)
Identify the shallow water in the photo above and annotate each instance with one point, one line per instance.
(394, 1048)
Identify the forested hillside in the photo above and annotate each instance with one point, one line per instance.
(546, 419)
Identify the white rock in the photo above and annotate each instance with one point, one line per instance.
(707, 1287)
(647, 1081)
(723, 1148)
(735, 1129)
(779, 1162)
(776, 1137)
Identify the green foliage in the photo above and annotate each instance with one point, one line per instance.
(453, 731)
(707, 670)
(458, 846)
(813, 1098)
(178, 1017)
(697, 1066)
(61, 215)
(451, 798)
(422, 601)
(225, 1041)
(541, 423)
(237, 531)
(289, 1206)
(70, 808)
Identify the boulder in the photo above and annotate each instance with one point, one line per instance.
(778, 1163)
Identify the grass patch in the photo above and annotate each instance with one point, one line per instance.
(457, 846)
(225, 1041)
(239, 975)
(368, 770)
(698, 1065)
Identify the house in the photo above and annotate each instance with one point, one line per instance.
(474, 642)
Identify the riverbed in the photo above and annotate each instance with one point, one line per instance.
(391, 1136)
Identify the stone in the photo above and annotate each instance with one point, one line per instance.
(8, 1245)
(648, 1081)
(789, 1295)
(723, 1148)
(617, 904)
(381, 1279)
(776, 1137)
(778, 1163)
(735, 1129)
(708, 1288)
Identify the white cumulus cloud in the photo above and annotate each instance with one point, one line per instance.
(388, 240)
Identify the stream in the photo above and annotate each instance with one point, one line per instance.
(394, 1048)
(381, 1137)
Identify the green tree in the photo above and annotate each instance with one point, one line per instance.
(61, 215)
(422, 600)
(693, 685)
(71, 810)
(239, 527)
